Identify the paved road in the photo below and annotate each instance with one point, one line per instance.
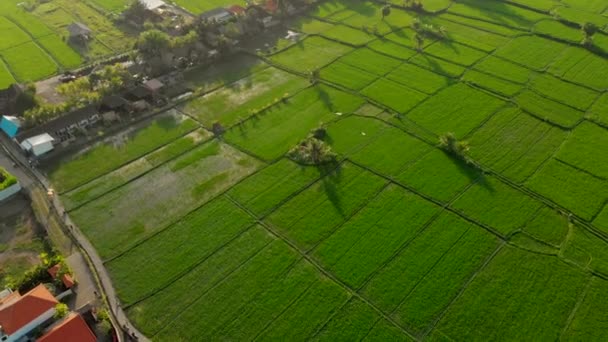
(28, 176)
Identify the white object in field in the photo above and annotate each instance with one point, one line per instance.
(363, 133)
(339, 114)
(39, 144)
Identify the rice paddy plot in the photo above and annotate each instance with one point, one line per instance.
(438, 175)
(504, 69)
(558, 30)
(265, 190)
(153, 312)
(577, 16)
(586, 250)
(458, 109)
(406, 37)
(586, 325)
(177, 248)
(28, 62)
(540, 5)
(495, 204)
(422, 279)
(124, 174)
(394, 95)
(310, 54)
(586, 149)
(12, 35)
(519, 295)
(531, 51)
(352, 323)
(548, 226)
(482, 25)
(67, 57)
(116, 6)
(599, 111)
(238, 100)
(438, 65)
(161, 197)
(564, 92)
(348, 35)
(387, 47)
(328, 8)
(454, 52)
(379, 154)
(314, 214)
(549, 110)
(385, 331)
(6, 78)
(311, 25)
(596, 6)
(578, 65)
(573, 189)
(508, 136)
(349, 135)
(418, 78)
(213, 310)
(119, 150)
(347, 76)
(370, 61)
(276, 130)
(369, 239)
(494, 84)
(467, 35)
(368, 16)
(497, 12)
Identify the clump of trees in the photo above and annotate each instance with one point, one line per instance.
(424, 31)
(80, 92)
(415, 5)
(313, 150)
(386, 11)
(459, 149)
(6, 179)
(588, 29)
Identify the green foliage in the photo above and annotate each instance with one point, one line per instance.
(61, 310)
(312, 151)
(153, 43)
(6, 179)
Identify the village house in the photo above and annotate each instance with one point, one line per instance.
(217, 15)
(72, 328)
(79, 32)
(20, 315)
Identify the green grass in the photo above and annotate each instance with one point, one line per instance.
(586, 250)
(513, 140)
(347, 76)
(548, 110)
(497, 205)
(248, 95)
(391, 49)
(368, 240)
(471, 36)
(581, 66)
(6, 78)
(497, 12)
(348, 35)
(370, 61)
(585, 149)
(531, 51)
(110, 155)
(275, 131)
(352, 322)
(586, 324)
(418, 78)
(555, 29)
(567, 93)
(28, 62)
(454, 52)
(310, 54)
(177, 248)
(576, 190)
(504, 69)
(548, 226)
(438, 175)
(394, 95)
(149, 203)
(437, 65)
(12, 35)
(497, 85)
(599, 110)
(349, 135)
(264, 191)
(63, 54)
(517, 296)
(458, 109)
(317, 212)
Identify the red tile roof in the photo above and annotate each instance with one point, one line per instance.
(271, 6)
(30, 306)
(72, 329)
(66, 279)
(236, 9)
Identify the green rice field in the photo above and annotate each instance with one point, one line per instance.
(226, 237)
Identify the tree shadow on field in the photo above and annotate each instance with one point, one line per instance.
(332, 175)
(324, 97)
(497, 12)
(432, 63)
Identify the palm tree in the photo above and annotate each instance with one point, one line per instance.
(386, 11)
